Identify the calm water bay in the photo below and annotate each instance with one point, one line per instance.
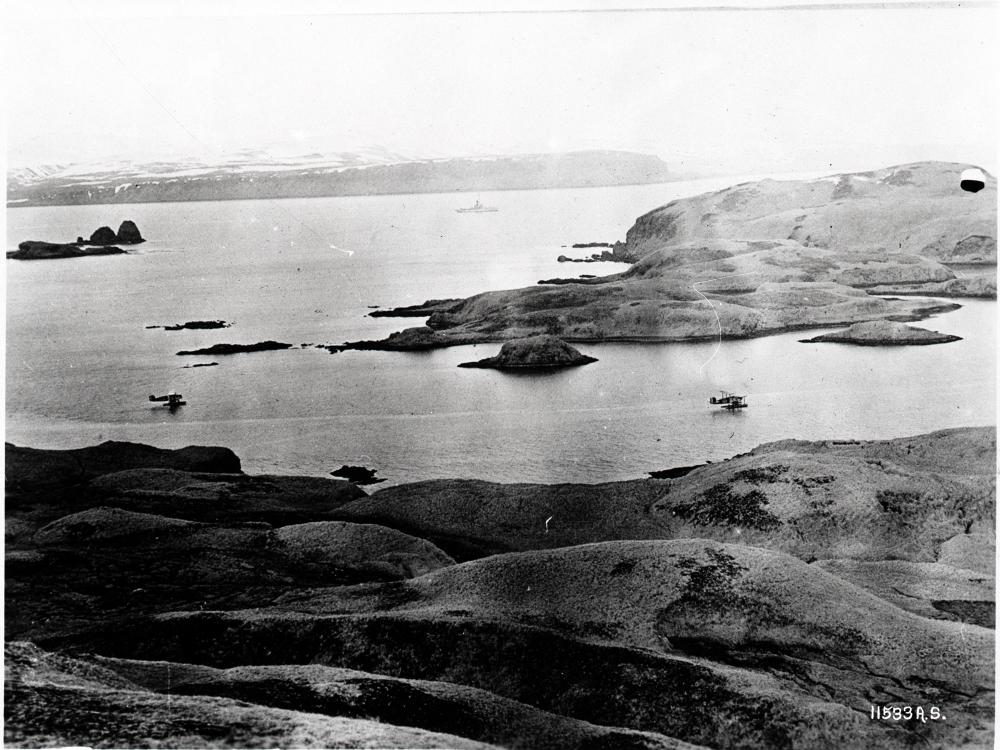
(81, 362)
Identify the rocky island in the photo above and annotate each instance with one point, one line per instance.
(533, 353)
(101, 242)
(884, 333)
(752, 260)
(167, 598)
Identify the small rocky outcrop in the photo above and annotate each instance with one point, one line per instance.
(38, 250)
(883, 333)
(128, 233)
(534, 352)
(357, 474)
(603, 256)
(103, 236)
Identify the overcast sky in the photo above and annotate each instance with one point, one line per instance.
(735, 90)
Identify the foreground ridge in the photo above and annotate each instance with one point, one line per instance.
(770, 600)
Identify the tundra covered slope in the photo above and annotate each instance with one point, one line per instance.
(767, 601)
(754, 259)
(917, 209)
(896, 499)
(721, 645)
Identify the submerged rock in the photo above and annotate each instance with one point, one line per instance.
(541, 352)
(883, 333)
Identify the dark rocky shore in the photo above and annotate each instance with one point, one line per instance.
(166, 598)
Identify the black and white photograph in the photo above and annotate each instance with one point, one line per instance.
(554, 375)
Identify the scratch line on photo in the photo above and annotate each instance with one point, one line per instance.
(718, 321)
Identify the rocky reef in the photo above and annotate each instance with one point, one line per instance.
(884, 333)
(771, 600)
(38, 250)
(533, 353)
(195, 325)
(756, 259)
(261, 346)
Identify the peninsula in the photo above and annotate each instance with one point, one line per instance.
(752, 260)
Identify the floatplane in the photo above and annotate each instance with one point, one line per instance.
(729, 401)
(172, 400)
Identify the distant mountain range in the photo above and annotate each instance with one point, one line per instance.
(254, 174)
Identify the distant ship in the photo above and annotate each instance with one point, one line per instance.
(477, 207)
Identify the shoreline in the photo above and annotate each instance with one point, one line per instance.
(918, 315)
(366, 195)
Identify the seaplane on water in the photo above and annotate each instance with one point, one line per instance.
(729, 401)
(173, 400)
